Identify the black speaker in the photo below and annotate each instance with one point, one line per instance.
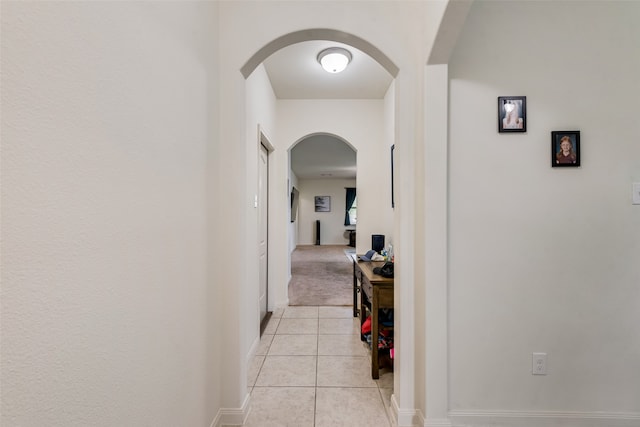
(317, 232)
(377, 242)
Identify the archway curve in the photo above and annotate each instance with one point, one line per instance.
(310, 135)
(318, 154)
(318, 34)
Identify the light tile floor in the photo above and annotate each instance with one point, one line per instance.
(312, 370)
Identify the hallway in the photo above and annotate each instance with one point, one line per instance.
(312, 370)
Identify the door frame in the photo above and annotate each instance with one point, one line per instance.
(263, 141)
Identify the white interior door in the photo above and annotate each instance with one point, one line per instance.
(263, 217)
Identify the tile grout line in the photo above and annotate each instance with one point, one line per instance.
(317, 354)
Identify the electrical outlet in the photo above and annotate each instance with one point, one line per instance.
(539, 364)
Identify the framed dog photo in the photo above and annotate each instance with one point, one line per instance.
(565, 148)
(512, 114)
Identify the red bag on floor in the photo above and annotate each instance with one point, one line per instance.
(366, 326)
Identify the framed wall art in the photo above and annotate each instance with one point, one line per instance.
(323, 203)
(512, 114)
(565, 148)
(393, 203)
(295, 197)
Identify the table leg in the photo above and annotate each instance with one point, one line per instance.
(362, 313)
(355, 291)
(374, 335)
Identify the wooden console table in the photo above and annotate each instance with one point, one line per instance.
(378, 291)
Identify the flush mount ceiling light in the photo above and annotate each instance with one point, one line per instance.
(334, 59)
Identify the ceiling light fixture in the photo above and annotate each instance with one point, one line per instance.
(334, 59)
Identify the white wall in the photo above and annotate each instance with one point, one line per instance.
(108, 317)
(364, 131)
(545, 259)
(443, 22)
(293, 226)
(332, 228)
(292, 229)
(260, 118)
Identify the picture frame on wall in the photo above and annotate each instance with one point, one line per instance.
(512, 114)
(393, 202)
(295, 198)
(565, 148)
(323, 203)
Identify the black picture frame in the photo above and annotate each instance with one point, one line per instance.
(295, 197)
(393, 204)
(559, 158)
(512, 114)
(323, 203)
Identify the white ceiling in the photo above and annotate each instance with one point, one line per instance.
(323, 157)
(295, 73)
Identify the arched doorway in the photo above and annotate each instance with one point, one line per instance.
(382, 172)
(321, 164)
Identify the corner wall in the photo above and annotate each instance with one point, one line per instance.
(545, 259)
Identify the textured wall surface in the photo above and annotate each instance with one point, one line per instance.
(545, 259)
(104, 130)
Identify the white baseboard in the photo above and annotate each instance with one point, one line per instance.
(404, 417)
(233, 416)
(432, 422)
(439, 422)
(407, 418)
(543, 419)
(217, 421)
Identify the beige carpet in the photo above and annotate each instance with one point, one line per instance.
(321, 275)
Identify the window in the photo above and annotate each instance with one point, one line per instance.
(353, 212)
(351, 208)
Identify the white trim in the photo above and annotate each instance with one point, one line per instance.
(407, 129)
(435, 343)
(264, 139)
(217, 421)
(440, 422)
(404, 417)
(544, 419)
(233, 416)
(421, 420)
(434, 422)
(393, 409)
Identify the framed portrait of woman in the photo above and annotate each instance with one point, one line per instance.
(512, 114)
(565, 148)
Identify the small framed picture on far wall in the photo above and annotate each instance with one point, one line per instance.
(512, 114)
(565, 148)
(323, 203)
